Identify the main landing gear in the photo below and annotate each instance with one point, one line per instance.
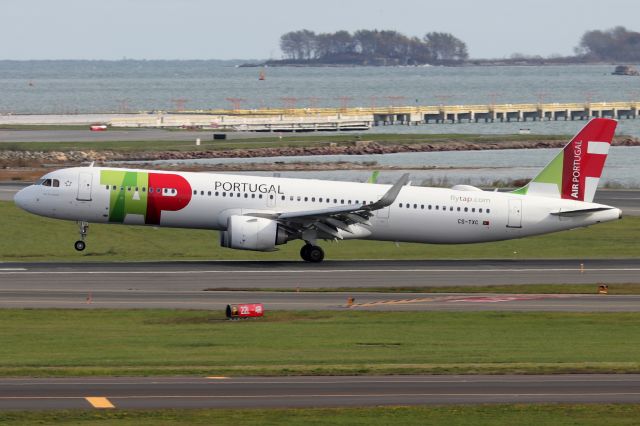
(311, 253)
(80, 244)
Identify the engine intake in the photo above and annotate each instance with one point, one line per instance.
(253, 233)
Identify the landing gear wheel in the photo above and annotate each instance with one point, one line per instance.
(315, 254)
(83, 228)
(304, 252)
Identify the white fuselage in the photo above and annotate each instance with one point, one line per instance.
(419, 214)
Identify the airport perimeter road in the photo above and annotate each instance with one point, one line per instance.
(327, 391)
(117, 135)
(198, 276)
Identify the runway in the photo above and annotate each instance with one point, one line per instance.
(213, 285)
(317, 391)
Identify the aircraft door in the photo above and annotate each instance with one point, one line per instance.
(515, 214)
(84, 186)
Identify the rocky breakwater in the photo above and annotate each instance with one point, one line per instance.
(23, 158)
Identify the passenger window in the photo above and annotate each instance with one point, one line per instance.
(129, 188)
(466, 209)
(408, 205)
(136, 189)
(209, 193)
(224, 194)
(144, 189)
(479, 210)
(253, 195)
(108, 187)
(260, 196)
(422, 206)
(201, 192)
(458, 208)
(488, 210)
(271, 197)
(451, 208)
(195, 192)
(313, 199)
(173, 191)
(473, 210)
(341, 201)
(429, 206)
(400, 205)
(283, 197)
(291, 198)
(335, 201)
(415, 206)
(306, 198)
(113, 187)
(320, 199)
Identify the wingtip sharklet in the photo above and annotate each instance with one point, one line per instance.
(390, 196)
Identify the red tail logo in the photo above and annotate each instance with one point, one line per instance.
(584, 159)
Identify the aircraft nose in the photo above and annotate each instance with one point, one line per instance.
(23, 199)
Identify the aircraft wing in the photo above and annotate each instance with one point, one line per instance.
(331, 222)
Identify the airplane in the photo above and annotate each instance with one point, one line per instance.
(261, 213)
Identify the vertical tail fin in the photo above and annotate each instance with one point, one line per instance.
(575, 172)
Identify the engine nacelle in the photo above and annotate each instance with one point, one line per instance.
(253, 233)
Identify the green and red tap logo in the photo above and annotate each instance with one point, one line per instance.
(144, 194)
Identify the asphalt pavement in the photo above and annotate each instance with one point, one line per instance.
(320, 391)
(213, 285)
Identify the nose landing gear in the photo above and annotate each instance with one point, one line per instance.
(80, 244)
(311, 253)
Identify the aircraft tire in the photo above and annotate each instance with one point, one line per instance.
(315, 254)
(304, 252)
(79, 245)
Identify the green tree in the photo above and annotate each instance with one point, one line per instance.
(618, 44)
(446, 47)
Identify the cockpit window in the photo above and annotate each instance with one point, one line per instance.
(55, 183)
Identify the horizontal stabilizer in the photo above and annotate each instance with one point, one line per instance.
(580, 212)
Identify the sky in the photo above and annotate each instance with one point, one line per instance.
(208, 29)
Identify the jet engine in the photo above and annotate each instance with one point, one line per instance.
(253, 233)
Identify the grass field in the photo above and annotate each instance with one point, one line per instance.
(467, 415)
(267, 142)
(50, 342)
(26, 237)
